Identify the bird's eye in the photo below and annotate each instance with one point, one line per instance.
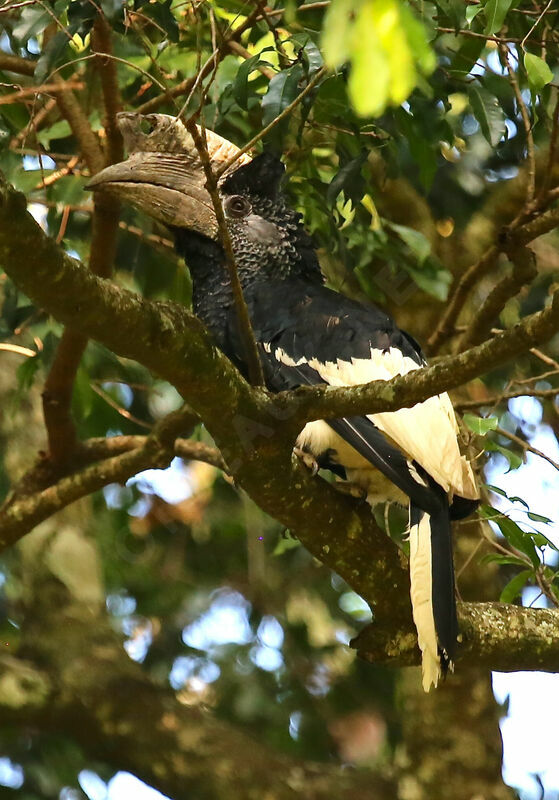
(237, 206)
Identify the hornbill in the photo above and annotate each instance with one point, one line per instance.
(309, 334)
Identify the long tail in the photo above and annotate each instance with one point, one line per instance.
(432, 590)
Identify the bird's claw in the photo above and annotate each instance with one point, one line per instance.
(351, 489)
(308, 460)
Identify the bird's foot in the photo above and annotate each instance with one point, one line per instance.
(351, 489)
(308, 460)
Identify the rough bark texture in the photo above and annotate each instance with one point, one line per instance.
(255, 431)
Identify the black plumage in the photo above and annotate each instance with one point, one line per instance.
(308, 334)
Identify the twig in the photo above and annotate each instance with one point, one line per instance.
(458, 298)
(23, 511)
(548, 172)
(17, 348)
(523, 271)
(526, 446)
(245, 327)
(45, 88)
(57, 395)
(122, 411)
(531, 186)
(285, 113)
(496, 399)
(102, 43)
(189, 84)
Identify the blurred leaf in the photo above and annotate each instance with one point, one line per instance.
(162, 14)
(52, 56)
(481, 425)
(496, 489)
(387, 47)
(349, 174)
(418, 243)
(489, 114)
(514, 587)
(538, 72)
(495, 13)
(497, 558)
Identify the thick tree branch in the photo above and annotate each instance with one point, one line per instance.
(254, 431)
(77, 679)
(524, 270)
(498, 636)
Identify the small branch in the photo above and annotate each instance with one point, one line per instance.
(87, 141)
(526, 446)
(189, 85)
(285, 113)
(102, 44)
(448, 373)
(243, 319)
(531, 186)
(547, 176)
(21, 66)
(46, 88)
(37, 497)
(457, 299)
(57, 395)
(496, 399)
(21, 515)
(524, 270)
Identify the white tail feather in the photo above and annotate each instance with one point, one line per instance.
(422, 600)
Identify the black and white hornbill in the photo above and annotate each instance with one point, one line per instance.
(308, 334)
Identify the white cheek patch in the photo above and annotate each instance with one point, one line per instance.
(261, 231)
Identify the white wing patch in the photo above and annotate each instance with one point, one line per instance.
(427, 432)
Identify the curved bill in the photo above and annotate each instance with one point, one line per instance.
(163, 175)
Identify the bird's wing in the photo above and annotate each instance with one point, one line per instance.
(313, 335)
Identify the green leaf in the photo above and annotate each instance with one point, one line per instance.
(486, 109)
(350, 173)
(537, 72)
(538, 517)
(282, 90)
(387, 46)
(336, 32)
(511, 531)
(518, 538)
(495, 13)
(418, 243)
(515, 461)
(240, 86)
(497, 558)
(472, 12)
(496, 490)
(514, 587)
(481, 426)
(51, 56)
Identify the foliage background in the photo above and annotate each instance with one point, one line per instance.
(430, 137)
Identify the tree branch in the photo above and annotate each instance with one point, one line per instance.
(498, 636)
(78, 680)
(524, 270)
(254, 431)
(243, 320)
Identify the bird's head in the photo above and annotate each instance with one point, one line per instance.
(163, 176)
